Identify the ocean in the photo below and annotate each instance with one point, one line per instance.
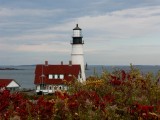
(24, 74)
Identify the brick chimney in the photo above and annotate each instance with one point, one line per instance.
(46, 63)
(70, 63)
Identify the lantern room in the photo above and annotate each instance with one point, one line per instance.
(77, 36)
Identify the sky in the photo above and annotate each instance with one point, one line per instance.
(115, 32)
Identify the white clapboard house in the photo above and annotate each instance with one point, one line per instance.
(50, 78)
(9, 84)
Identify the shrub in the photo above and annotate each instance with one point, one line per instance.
(116, 95)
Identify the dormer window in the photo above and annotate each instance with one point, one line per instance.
(61, 76)
(55, 76)
(50, 76)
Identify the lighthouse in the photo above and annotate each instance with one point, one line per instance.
(77, 54)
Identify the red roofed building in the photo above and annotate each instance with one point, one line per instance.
(9, 84)
(50, 78)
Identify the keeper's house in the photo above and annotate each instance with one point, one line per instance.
(50, 78)
(9, 84)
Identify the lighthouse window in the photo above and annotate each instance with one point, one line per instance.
(76, 33)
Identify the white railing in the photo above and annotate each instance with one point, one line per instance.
(45, 91)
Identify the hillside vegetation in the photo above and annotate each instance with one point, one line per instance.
(119, 95)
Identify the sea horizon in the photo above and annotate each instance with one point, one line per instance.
(24, 74)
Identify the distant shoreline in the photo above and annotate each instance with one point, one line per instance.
(10, 69)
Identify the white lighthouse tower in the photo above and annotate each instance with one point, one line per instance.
(77, 51)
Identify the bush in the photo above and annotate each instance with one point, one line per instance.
(116, 95)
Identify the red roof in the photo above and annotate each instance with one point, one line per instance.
(5, 82)
(42, 73)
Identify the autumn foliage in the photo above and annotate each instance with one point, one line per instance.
(121, 94)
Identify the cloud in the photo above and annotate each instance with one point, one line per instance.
(34, 38)
(125, 55)
(123, 24)
(118, 25)
(36, 30)
(11, 12)
(43, 48)
(24, 19)
(35, 48)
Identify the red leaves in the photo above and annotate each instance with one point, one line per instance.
(141, 110)
(108, 98)
(123, 73)
(81, 99)
(116, 82)
(44, 108)
(61, 95)
(4, 98)
(106, 101)
(119, 79)
(17, 105)
(73, 105)
(145, 108)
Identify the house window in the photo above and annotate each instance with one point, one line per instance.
(58, 77)
(13, 89)
(50, 76)
(55, 88)
(42, 86)
(69, 75)
(80, 75)
(55, 76)
(61, 76)
(60, 87)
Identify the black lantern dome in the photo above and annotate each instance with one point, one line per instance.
(77, 28)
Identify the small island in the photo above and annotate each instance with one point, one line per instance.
(9, 69)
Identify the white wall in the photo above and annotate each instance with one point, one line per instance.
(13, 84)
(78, 58)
